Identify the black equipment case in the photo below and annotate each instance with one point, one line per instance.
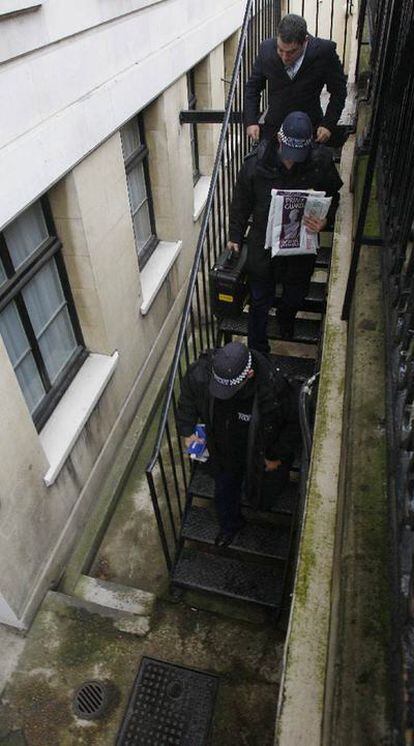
(228, 285)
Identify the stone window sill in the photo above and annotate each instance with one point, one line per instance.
(156, 270)
(14, 7)
(200, 196)
(73, 411)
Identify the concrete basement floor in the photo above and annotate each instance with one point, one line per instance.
(73, 640)
(69, 644)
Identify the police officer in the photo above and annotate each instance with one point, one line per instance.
(250, 414)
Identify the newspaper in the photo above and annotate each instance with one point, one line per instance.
(286, 233)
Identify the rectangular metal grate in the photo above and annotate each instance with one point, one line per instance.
(169, 705)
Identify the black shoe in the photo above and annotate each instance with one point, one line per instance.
(225, 538)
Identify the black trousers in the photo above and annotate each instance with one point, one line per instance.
(228, 494)
(227, 498)
(294, 273)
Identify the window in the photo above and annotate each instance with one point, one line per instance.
(38, 321)
(192, 104)
(139, 188)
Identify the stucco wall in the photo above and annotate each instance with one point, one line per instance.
(73, 91)
(45, 142)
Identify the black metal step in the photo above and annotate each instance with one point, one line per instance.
(294, 368)
(262, 540)
(202, 485)
(307, 331)
(323, 258)
(258, 584)
(315, 300)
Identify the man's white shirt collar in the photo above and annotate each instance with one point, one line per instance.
(293, 69)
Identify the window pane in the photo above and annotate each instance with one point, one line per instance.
(130, 137)
(25, 234)
(191, 89)
(136, 186)
(18, 349)
(30, 382)
(46, 307)
(14, 336)
(43, 296)
(194, 152)
(3, 276)
(142, 226)
(58, 344)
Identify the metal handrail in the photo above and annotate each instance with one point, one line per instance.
(306, 391)
(391, 159)
(380, 103)
(201, 239)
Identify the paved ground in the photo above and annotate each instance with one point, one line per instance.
(69, 644)
(11, 646)
(72, 640)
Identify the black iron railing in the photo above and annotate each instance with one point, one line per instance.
(390, 144)
(329, 20)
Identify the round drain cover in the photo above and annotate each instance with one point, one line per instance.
(91, 700)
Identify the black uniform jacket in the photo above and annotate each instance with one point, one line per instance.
(263, 171)
(274, 431)
(321, 65)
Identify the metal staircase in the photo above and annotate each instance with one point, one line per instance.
(254, 568)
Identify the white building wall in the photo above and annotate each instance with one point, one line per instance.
(71, 75)
(73, 91)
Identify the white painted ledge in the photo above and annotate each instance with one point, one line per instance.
(200, 196)
(156, 270)
(9, 7)
(73, 411)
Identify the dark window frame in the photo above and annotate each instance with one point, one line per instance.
(140, 155)
(192, 106)
(11, 290)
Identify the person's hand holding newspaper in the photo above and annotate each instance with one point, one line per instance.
(316, 225)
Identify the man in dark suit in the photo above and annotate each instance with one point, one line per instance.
(296, 67)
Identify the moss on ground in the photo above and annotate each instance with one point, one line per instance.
(69, 645)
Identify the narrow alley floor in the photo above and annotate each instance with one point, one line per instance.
(75, 639)
(70, 643)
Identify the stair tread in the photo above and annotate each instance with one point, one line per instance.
(259, 539)
(315, 299)
(306, 331)
(326, 238)
(230, 577)
(202, 485)
(299, 368)
(323, 257)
